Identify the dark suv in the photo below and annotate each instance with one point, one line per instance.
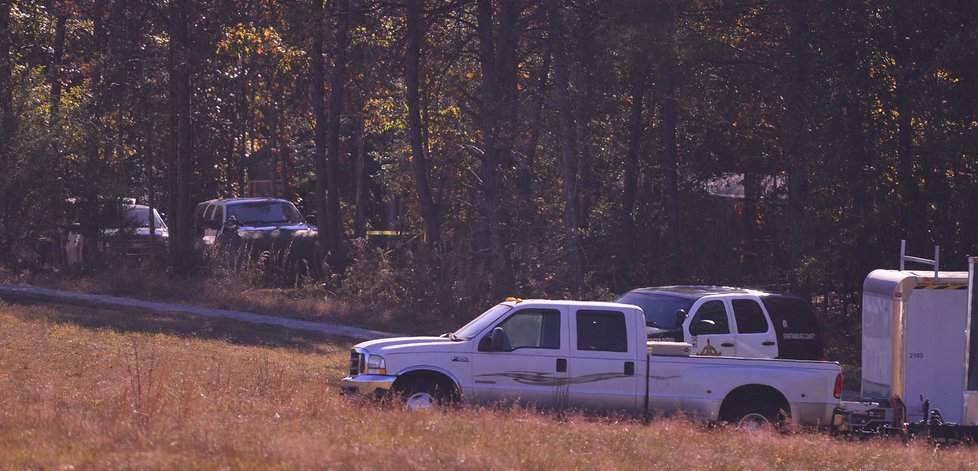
(739, 322)
(259, 223)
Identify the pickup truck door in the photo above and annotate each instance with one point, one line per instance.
(532, 366)
(709, 329)
(604, 373)
(755, 336)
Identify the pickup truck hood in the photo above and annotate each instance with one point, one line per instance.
(137, 232)
(258, 231)
(412, 345)
(657, 333)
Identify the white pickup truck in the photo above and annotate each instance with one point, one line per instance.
(589, 356)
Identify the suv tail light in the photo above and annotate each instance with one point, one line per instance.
(837, 391)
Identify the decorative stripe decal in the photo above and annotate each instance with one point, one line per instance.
(545, 379)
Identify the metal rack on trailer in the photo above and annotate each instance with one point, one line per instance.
(920, 337)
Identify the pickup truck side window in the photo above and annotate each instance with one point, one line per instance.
(531, 328)
(711, 313)
(601, 331)
(750, 317)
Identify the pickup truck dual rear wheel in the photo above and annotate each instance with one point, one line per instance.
(755, 415)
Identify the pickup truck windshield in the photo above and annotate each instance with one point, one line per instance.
(480, 323)
(660, 309)
(139, 217)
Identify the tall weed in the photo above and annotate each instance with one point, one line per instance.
(147, 380)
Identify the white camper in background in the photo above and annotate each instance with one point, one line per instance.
(916, 340)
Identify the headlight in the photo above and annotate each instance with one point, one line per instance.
(376, 365)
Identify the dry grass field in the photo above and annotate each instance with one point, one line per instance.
(87, 389)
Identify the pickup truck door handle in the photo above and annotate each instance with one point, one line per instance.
(629, 368)
(727, 344)
(561, 365)
(767, 343)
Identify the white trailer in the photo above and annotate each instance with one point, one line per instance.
(917, 342)
(915, 339)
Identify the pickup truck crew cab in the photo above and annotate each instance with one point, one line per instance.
(728, 321)
(593, 356)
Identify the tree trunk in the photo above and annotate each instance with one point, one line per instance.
(181, 240)
(488, 122)
(416, 29)
(569, 155)
(243, 134)
(93, 174)
(496, 95)
(794, 137)
(670, 153)
(54, 75)
(317, 78)
(7, 124)
(526, 176)
(275, 189)
(334, 223)
(639, 82)
(752, 198)
(6, 85)
(588, 191)
(360, 176)
(912, 213)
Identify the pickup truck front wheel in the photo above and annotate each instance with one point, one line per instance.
(755, 415)
(423, 394)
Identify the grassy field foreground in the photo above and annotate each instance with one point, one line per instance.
(81, 393)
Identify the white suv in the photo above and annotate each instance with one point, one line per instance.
(129, 236)
(727, 321)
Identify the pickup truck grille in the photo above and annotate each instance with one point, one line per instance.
(356, 362)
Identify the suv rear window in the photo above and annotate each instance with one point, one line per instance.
(798, 332)
(790, 314)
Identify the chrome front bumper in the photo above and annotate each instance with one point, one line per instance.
(376, 385)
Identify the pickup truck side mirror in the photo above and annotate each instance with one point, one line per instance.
(232, 224)
(702, 326)
(500, 341)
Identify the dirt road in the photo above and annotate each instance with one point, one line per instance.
(33, 293)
